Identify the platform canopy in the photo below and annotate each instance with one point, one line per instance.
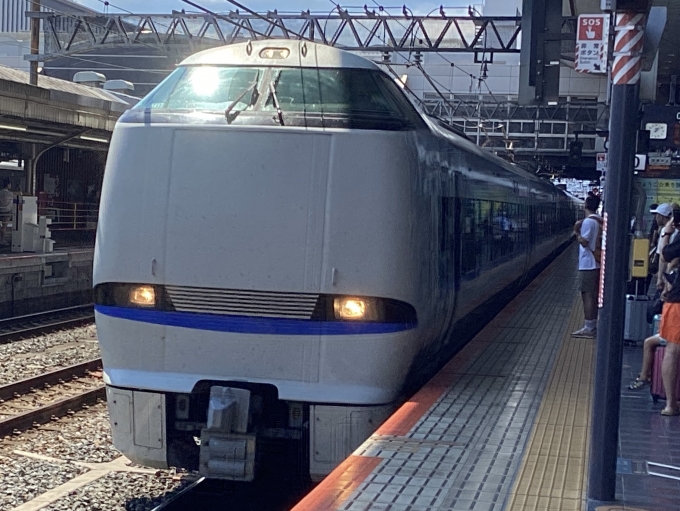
(56, 112)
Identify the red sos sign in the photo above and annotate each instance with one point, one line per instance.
(590, 28)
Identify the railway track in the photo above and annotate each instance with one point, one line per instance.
(40, 399)
(21, 327)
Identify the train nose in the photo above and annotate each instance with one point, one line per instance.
(268, 206)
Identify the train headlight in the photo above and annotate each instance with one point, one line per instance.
(357, 309)
(143, 296)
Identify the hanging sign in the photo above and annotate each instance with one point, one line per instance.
(601, 162)
(592, 43)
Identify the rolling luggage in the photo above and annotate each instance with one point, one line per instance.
(636, 327)
(656, 387)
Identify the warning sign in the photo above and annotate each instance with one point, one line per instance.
(601, 162)
(592, 43)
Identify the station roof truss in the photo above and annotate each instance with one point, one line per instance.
(506, 126)
(72, 34)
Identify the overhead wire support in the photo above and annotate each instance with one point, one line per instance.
(272, 20)
(73, 33)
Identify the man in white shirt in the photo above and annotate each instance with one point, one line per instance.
(6, 203)
(587, 234)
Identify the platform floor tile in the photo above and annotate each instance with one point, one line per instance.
(465, 450)
(649, 446)
(553, 475)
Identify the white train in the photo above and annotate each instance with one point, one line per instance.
(284, 242)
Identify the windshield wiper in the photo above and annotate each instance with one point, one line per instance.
(272, 90)
(230, 107)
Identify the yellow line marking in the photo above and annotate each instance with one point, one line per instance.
(553, 473)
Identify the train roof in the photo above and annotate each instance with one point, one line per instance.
(438, 126)
(279, 53)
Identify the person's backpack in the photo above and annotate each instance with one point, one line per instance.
(597, 253)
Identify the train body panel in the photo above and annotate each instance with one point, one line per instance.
(294, 265)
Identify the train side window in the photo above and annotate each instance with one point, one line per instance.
(470, 250)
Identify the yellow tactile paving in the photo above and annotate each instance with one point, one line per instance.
(552, 476)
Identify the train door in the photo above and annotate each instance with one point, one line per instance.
(526, 207)
(449, 252)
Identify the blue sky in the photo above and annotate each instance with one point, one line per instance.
(166, 6)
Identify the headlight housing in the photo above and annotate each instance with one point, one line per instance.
(355, 309)
(142, 296)
(328, 308)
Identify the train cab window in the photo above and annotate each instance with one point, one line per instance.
(313, 97)
(206, 88)
(353, 93)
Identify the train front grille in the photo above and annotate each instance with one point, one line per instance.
(268, 304)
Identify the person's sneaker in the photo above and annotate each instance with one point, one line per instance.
(585, 332)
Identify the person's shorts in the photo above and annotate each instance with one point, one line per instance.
(670, 323)
(5, 217)
(589, 281)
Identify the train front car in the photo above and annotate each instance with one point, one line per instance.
(257, 270)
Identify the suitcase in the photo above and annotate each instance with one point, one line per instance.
(656, 387)
(635, 327)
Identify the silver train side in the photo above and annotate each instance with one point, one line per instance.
(284, 277)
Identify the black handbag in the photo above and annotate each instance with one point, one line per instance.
(655, 307)
(654, 264)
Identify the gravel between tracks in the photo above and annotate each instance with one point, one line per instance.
(121, 491)
(23, 479)
(31, 357)
(81, 437)
(84, 436)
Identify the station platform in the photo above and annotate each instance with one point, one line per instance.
(31, 282)
(505, 424)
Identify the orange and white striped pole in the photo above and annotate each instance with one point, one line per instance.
(628, 42)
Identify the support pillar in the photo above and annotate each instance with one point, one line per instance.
(35, 43)
(615, 257)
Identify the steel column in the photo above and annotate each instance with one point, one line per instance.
(615, 258)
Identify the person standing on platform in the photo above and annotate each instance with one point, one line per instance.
(6, 202)
(670, 328)
(653, 238)
(663, 214)
(587, 233)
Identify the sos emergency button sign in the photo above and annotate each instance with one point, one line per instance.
(592, 43)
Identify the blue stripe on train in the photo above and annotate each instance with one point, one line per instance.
(250, 324)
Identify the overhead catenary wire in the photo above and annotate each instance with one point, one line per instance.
(18, 44)
(420, 68)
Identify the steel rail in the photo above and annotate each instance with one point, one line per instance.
(33, 324)
(52, 378)
(47, 413)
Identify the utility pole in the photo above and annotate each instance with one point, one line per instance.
(35, 42)
(623, 124)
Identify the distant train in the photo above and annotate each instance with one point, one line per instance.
(284, 241)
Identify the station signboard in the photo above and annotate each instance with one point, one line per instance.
(601, 162)
(592, 43)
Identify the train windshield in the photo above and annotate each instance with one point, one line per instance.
(355, 98)
(205, 88)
